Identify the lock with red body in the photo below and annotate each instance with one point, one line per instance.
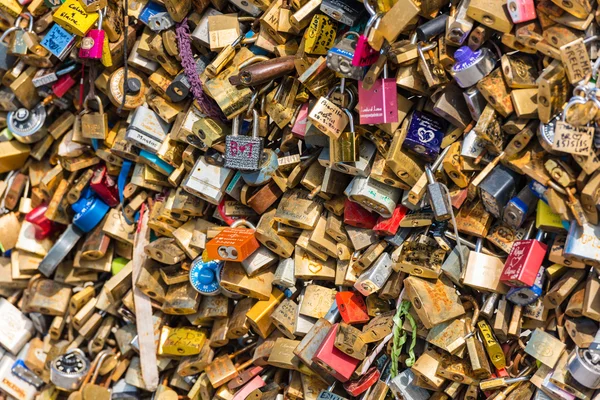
(524, 262)
(389, 226)
(105, 187)
(340, 365)
(43, 226)
(352, 307)
(357, 216)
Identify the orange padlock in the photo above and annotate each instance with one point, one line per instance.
(233, 243)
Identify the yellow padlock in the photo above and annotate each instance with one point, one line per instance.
(73, 18)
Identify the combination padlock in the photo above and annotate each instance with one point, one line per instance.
(68, 370)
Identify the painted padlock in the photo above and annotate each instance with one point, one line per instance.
(92, 43)
(233, 244)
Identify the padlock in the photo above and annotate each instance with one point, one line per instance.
(524, 262)
(519, 207)
(20, 37)
(373, 195)
(340, 57)
(490, 280)
(73, 18)
(241, 152)
(497, 188)
(147, 130)
(328, 117)
(424, 136)
(345, 149)
(92, 44)
(27, 126)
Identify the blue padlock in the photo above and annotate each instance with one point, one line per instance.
(156, 163)
(424, 135)
(204, 276)
(89, 211)
(151, 9)
(523, 296)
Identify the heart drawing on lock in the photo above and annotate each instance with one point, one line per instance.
(425, 135)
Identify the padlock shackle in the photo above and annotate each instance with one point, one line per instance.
(243, 222)
(30, 21)
(350, 119)
(98, 101)
(370, 9)
(7, 32)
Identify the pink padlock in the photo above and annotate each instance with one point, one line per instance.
(521, 10)
(379, 104)
(364, 54)
(93, 42)
(299, 128)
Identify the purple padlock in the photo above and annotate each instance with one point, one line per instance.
(379, 105)
(424, 136)
(92, 44)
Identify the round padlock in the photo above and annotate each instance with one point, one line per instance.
(68, 370)
(135, 98)
(27, 125)
(204, 276)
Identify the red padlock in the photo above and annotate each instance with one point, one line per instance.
(362, 384)
(339, 364)
(352, 307)
(524, 262)
(105, 187)
(43, 226)
(389, 226)
(355, 215)
(63, 85)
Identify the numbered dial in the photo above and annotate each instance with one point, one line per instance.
(67, 371)
(71, 364)
(24, 123)
(204, 276)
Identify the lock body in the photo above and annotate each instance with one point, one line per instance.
(523, 263)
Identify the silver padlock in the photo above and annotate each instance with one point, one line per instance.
(208, 181)
(339, 57)
(258, 261)
(403, 387)
(472, 145)
(303, 323)
(374, 195)
(243, 152)
(147, 130)
(201, 36)
(584, 364)
(459, 26)
(68, 370)
(583, 243)
(6, 60)
(160, 22)
(27, 126)
(16, 329)
(373, 279)
(284, 274)
(11, 384)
